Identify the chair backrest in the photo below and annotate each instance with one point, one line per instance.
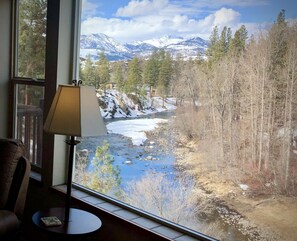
(14, 175)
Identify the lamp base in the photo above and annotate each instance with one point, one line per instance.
(71, 142)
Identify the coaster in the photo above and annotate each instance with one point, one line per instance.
(51, 221)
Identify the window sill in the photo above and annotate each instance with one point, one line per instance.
(35, 176)
(137, 219)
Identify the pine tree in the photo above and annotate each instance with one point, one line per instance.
(119, 76)
(104, 177)
(279, 44)
(237, 45)
(102, 69)
(165, 74)
(213, 45)
(134, 81)
(32, 38)
(225, 39)
(151, 71)
(88, 74)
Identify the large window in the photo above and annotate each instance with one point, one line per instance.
(29, 74)
(201, 114)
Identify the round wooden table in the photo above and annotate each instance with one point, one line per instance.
(80, 223)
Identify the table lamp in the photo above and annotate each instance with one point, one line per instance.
(74, 112)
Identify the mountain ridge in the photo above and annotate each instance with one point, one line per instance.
(178, 46)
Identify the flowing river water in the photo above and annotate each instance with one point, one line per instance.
(135, 161)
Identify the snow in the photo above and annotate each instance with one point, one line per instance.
(114, 50)
(164, 41)
(134, 129)
(119, 105)
(244, 187)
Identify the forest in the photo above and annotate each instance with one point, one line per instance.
(241, 100)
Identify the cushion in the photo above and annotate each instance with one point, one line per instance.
(8, 222)
(10, 152)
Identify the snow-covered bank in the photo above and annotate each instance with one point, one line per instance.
(115, 104)
(134, 129)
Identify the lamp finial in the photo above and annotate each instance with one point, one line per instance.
(77, 82)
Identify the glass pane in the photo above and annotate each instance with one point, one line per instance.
(29, 122)
(31, 38)
(201, 114)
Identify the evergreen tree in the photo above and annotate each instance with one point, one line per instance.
(279, 44)
(134, 81)
(211, 52)
(104, 177)
(151, 71)
(219, 44)
(238, 42)
(102, 69)
(119, 76)
(224, 42)
(165, 74)
(32, 38)
(88, 74)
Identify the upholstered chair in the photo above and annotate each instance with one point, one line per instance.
(14, 178)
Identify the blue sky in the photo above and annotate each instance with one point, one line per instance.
(132, 20)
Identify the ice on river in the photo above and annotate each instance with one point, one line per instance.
(135, 129)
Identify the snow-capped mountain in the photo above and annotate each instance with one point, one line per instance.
(93, 44)
(164, 41)
(140, 48)
(189, 48)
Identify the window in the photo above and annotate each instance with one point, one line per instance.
(29, 119)
(29, 74)
(134, 89)
(31, 37)
(199, 127)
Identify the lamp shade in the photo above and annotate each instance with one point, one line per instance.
(75, 112)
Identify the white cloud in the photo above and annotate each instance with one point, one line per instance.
(145, 19)
(143, 7)
(230, 3)
(144, 27)
(89, 9)
(226, 17)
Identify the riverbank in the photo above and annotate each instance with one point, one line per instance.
(260, 217)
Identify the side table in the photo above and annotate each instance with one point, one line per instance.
(81, 223)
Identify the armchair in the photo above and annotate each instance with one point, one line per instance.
(14, 179)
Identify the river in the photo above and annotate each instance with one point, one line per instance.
(135, 161)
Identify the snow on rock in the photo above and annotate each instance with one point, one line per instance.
(115, 104)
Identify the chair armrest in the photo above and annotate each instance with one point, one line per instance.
(19, 186)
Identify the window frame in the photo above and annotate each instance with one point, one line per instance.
(17, 80)
(28, 82)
